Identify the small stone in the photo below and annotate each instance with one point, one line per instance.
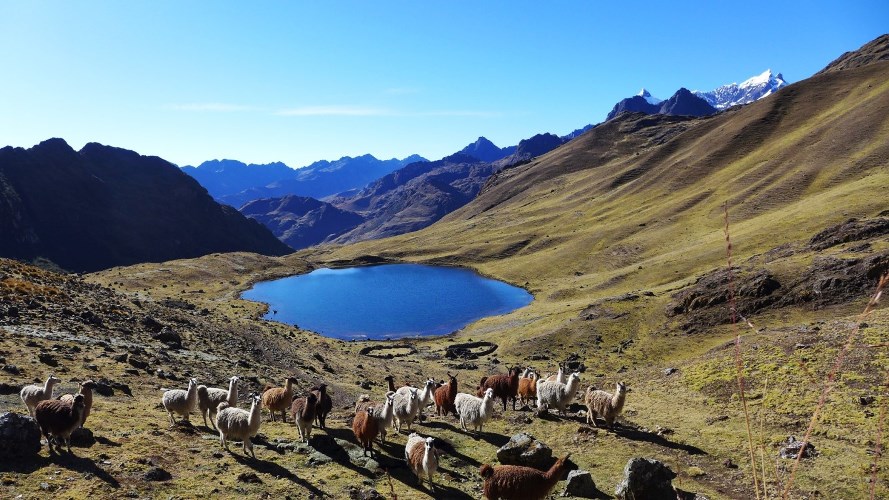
(47, 359)
(157, 474)
(249, 477)
(670, 371)
(793, 447)
(866, 400)
(14, 370)
(729, 464)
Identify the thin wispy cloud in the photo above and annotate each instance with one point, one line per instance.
(372, 111)
(335, 111)
(214, 107)
(468, 113)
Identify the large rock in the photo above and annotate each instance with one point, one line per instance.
(525, 449)
(19, 436)
(646, 478)
(580, 484)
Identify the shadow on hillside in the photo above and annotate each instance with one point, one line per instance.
(651, 437)
(107, 442)
(434, 424)
(448, 449)
(497, 440)
(276, 471)
(338, 454)
(64, 459)
(407, 478)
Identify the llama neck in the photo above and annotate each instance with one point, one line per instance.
(551, 477)
(487, 407)
(429, 458)
(571, 387)
(232, 397)
(386, 412)
(452, 389)
(254, 418)
(288, 386)
(87, 395)
(426, 395)
(617, 401)
(47, 387)
(192, 394)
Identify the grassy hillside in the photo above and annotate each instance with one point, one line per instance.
(619, 235)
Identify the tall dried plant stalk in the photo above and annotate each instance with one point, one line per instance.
(878, 446)
(830, 380)
(739, 363)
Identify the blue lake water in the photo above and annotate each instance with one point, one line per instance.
(387, 301)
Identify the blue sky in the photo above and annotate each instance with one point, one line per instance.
(302, 81)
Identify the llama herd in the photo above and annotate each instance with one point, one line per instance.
(397, 409)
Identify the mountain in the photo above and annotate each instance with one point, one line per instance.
(223, 177)
(874, 51)
(635, 104)
(750, 90)
(235, 183)
(684, 103)
(531, 148)
(103, 206)
(405, 200)
(485, 150)
(300, 221)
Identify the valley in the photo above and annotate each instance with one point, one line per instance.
(635, 238)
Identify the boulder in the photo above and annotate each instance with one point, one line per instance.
(580, 484)
(525, 449)
(19, 436)
(82, 438)
(646, 478)
(793, 447)
(170, 337)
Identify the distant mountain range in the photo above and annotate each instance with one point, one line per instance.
(697, 103)
(235, 183)
(748, 91)
(103, 206)
(402, 201)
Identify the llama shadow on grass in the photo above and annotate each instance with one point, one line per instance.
(408, 479)
(63, 459)
(328, 446)
(491, 438)
(636, 434)
(448, 448)
(276, 471)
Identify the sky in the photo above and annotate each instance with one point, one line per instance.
(300, 81)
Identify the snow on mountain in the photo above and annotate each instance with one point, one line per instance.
(749, 90)
(645, 94)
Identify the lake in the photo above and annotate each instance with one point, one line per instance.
(386, 301)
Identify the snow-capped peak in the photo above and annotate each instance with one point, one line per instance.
(648, 97)
(750, 90)
(762, 79)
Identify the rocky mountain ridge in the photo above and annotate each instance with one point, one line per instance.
(103, 206)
